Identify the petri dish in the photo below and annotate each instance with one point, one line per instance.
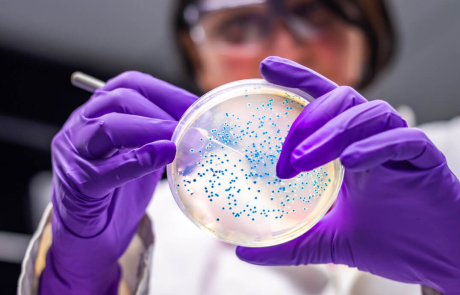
(224, 175)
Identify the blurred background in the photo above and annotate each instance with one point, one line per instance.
(43, 42)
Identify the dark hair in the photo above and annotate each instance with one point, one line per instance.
(374, 21)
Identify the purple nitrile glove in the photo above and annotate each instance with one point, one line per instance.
(107, 160)
(398, 212)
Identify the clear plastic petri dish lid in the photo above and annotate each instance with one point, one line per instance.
(224, 175)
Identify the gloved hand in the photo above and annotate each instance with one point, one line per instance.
(107, 160)
(398, 211)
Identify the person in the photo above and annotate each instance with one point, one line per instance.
(396, 217)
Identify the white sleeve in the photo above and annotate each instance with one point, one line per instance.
(135, 262)
(446, 137)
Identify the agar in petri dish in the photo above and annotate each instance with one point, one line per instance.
(224, 175)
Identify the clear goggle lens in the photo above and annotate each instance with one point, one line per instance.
(254, 23)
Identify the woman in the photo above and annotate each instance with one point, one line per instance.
(396, 215)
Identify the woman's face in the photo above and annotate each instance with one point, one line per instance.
(237, 40)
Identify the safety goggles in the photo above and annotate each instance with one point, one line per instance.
(242, 23)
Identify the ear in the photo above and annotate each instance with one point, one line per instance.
(191, 51)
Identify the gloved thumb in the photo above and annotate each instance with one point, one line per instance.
(287, 73)
(314, 247)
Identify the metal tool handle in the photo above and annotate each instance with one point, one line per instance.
(86, 82)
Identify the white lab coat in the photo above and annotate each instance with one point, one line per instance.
(187, 260)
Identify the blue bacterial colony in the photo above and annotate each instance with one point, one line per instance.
(225, 172)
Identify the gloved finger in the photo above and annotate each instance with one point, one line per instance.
(287, 73)
(314, 247)
(96, 178)
(174, 100)
(353, 125)
(192, 142)
(401, 144)
(313, 117)
(123, 100)
(102, 137)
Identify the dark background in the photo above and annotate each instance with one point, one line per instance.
(43, 42)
